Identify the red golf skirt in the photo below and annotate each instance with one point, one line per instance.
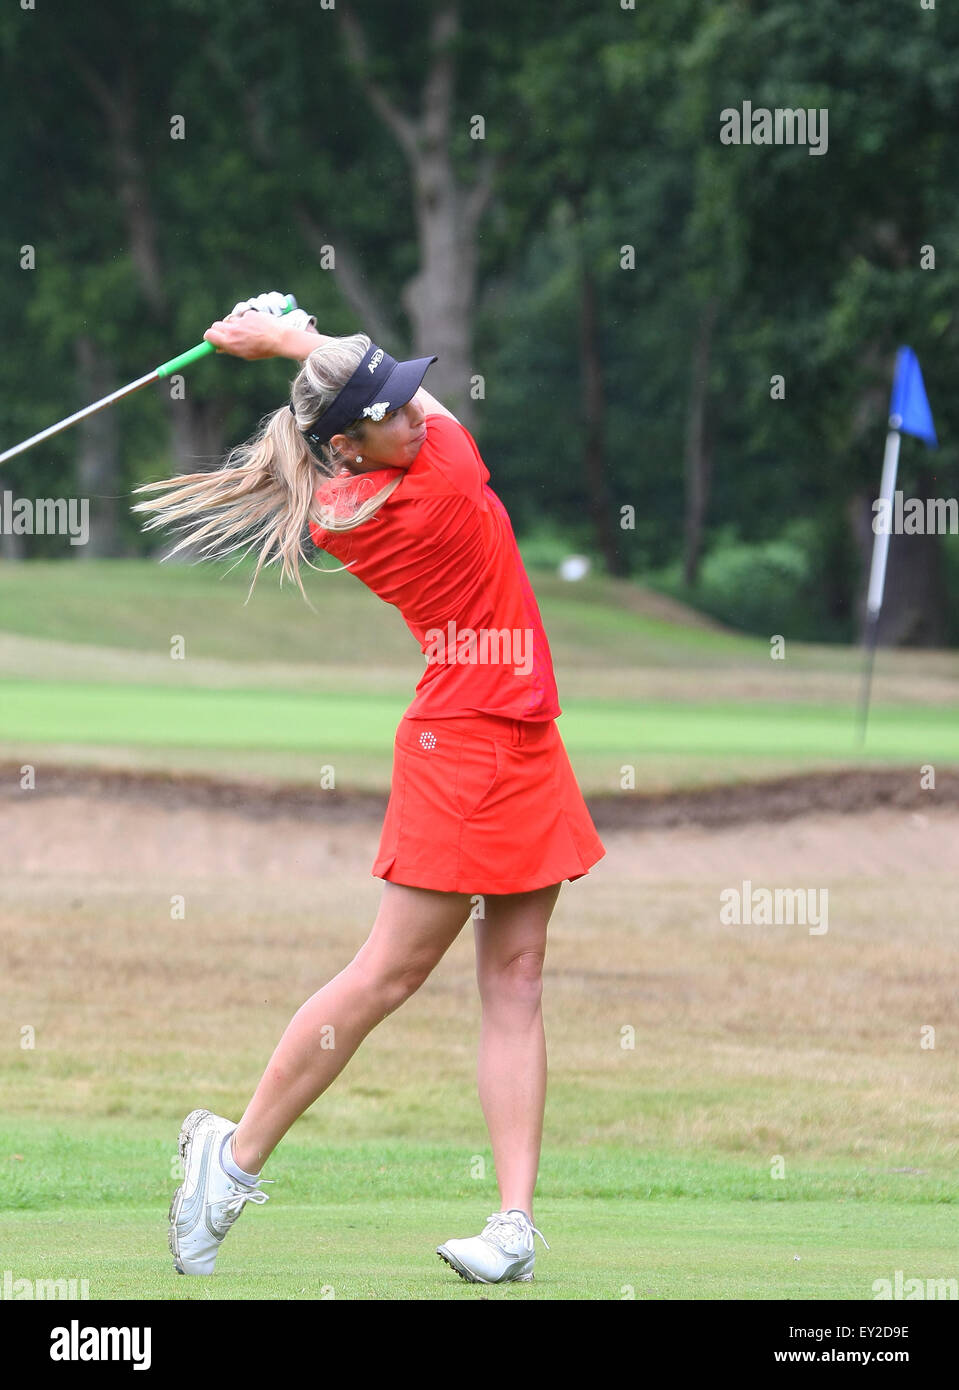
(483, 804)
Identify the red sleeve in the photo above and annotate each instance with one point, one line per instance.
(452, 451)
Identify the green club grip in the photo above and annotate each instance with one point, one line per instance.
(193, 354)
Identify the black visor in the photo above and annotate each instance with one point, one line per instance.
(379, 384)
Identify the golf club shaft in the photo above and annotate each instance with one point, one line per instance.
(165, 369)
(80, 415)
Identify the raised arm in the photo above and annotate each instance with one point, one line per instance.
(254, 336)
(431, 405)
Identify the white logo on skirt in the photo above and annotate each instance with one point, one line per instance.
(427, 740)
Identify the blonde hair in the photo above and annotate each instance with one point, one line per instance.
(262, 496)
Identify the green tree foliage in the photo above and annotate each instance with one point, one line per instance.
(711, 268)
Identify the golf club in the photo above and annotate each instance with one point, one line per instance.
(175, 364)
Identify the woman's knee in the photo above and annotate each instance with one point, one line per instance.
(517, 980)
(391, 983)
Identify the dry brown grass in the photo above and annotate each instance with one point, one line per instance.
(747, 1039)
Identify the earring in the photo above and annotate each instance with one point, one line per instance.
(358, 459)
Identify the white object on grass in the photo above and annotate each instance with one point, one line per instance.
(574, 567)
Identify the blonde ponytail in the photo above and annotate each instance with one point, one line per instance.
(262, 496)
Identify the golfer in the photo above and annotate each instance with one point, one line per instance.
(485, 819)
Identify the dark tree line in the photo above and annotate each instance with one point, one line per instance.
(539, 194)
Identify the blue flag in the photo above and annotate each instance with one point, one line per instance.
(909, 408)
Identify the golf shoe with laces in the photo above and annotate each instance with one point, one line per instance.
(502, 1254)
(210, 1200)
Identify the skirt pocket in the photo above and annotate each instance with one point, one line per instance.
(478, 770)
(451, 765)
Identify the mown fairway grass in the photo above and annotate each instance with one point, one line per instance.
(47, 712)
(273, 688)
(362, 1223)
(658, 1169)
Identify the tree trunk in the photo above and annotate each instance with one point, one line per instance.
(699, 444)
(440, 299)
(196, 427)
(98, 460)
(594, 415)
(196, 433)
(12, 547)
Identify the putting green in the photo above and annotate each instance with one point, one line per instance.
(166, 717)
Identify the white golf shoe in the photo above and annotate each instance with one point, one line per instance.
(502, 1254)
(209, 1201)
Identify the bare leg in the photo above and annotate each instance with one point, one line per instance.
(510, 950)
(413, 930)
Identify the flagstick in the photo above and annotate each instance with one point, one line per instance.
(877, 574)
(871, 640)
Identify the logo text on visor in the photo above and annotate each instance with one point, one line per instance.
(379, 385)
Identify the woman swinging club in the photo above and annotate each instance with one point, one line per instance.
(485, 819)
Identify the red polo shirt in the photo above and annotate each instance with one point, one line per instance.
(441, 549)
